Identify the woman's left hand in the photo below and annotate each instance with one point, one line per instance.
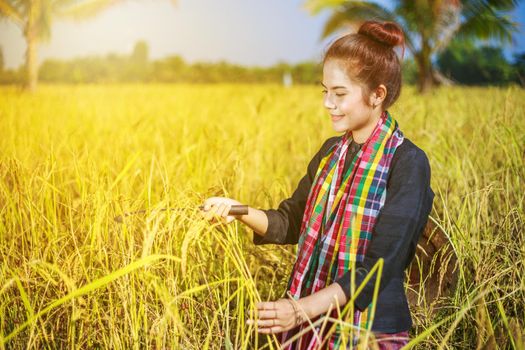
(285, 314)
(275, 316)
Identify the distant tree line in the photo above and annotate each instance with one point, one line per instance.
(137, 67)
(486, 65)
(35, 20)
(469, 65)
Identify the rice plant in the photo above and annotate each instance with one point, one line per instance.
(72, 158)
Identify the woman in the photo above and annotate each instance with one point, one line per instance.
(365, 198)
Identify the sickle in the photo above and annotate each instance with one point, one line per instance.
(434, 272)
(235, 210)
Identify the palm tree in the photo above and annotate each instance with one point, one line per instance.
(429, 25)
(34, 17)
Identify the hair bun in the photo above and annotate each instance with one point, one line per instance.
(387, 33)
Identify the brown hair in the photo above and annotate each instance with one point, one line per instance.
(370, 59)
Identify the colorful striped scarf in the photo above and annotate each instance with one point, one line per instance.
(338, 220)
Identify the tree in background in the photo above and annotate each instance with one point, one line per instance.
(463, 64)
(139, 66)
(519, 66)
(471, 65)
(34, 18)
(1, 60)
(429, 25)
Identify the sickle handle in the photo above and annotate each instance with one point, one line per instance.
(235, 209)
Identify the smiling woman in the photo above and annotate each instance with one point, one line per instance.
(357, 213)
(344, 101)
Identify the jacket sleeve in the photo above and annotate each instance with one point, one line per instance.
(284, 223)
(397, 228)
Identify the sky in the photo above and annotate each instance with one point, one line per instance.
(248, 32)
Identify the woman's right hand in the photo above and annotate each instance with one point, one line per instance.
(218, 208)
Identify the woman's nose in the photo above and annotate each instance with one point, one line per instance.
(327, 103)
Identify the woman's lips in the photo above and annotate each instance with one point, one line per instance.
(336, 117)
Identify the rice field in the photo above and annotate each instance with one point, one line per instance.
(74, 157)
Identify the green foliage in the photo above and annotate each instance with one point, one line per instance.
(409, 70)
(429, 25)
(136, 67)
(519, 65)
(12, 76)
(35, 19)
(471, 65)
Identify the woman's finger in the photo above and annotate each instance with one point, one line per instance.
(227, 210)
(220, 208)
(205, 210)
(206, 213)
(211, 212)
(265, 305)
(264, 323)
(267, 314)
(224, 210)
(208, 203)
(270, 330)
(220, 212)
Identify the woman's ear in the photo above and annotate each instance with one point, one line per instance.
(378, 96)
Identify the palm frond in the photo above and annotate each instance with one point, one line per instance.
(410, 38)
(355, 12)
(472, 8)
(484, 22)
(316, 6)
(336, 22)
(503, 5)
(45, 19)
(83, 9)
(446, 24)
(8, 10)
(352, 13)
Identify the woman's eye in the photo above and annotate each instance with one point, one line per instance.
(338, 95)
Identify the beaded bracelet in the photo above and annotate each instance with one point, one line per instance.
(298, 317)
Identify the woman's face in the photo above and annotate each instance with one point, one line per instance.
(343, 99)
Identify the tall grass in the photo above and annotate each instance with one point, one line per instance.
(74, 157)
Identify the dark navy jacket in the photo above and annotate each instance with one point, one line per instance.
(394, 238)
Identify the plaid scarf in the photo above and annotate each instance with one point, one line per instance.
(339, 218)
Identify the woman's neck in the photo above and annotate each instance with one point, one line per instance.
(361, 135)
